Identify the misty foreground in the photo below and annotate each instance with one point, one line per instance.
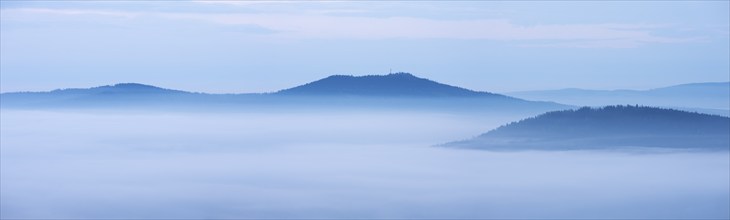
(368, 164)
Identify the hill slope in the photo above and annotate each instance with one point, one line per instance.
(608, 127)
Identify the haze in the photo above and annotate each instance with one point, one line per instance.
(364, 110)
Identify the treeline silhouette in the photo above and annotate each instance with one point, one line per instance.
(615, 120)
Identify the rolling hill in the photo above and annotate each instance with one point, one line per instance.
(117, 95)
(611, 127)
(391, 85)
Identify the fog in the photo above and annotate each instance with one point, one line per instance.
(337, 164)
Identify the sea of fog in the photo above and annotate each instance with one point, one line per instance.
(336, 164)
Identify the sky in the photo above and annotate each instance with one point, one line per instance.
(265, 46)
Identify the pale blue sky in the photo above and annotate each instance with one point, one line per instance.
(236, 47)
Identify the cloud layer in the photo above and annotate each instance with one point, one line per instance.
(144, 165)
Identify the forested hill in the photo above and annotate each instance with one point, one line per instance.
(612, 126)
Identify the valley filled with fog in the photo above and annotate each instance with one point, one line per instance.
(329, 164)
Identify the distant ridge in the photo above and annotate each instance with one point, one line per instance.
(119, 88)
(688, 89)
(712, 96)
(395, 84)
(721, 85)
(116, 96)
(608, 127)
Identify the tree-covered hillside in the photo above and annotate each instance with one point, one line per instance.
(611, 126)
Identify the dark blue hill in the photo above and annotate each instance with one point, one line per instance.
(608, 127)
(392, 85)
(403, 90)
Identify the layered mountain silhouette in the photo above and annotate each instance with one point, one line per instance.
(611, 127)
(713, 97)
(400, 90)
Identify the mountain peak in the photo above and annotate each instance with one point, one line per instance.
(401, 74)
(394, 84)
(390, 75)
(132, 85)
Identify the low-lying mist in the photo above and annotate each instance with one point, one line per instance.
(347, 164)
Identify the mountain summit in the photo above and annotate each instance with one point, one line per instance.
(395, 84)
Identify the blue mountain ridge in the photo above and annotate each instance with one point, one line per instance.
(399, 90)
